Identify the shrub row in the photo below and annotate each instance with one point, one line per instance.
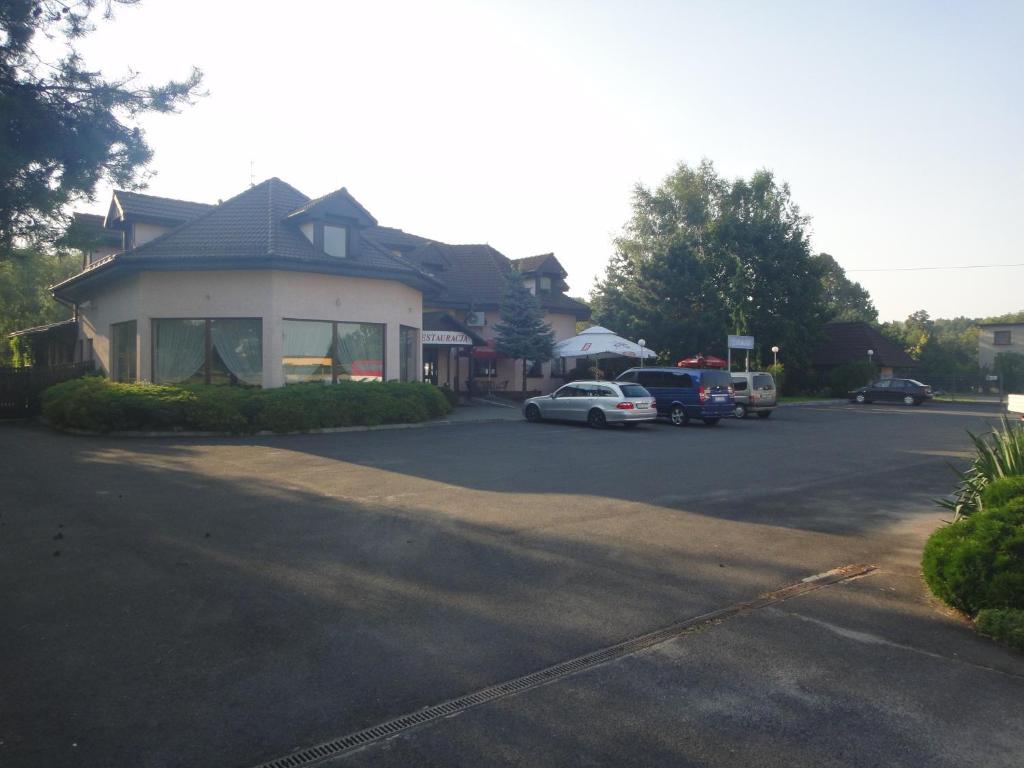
(97, 404)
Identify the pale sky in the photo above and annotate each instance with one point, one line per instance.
(526, 124)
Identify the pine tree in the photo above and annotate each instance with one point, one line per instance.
(522, 333)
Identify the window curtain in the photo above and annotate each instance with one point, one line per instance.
(179, 349)
(306, 345)
(240, 346)
(361, 351)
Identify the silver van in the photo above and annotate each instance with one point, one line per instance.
(754, 392)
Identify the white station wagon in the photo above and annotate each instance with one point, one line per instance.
(598, 403)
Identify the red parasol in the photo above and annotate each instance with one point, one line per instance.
(702, 361)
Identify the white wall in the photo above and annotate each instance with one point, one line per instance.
(146, 232)
(270, 295)
(987, 348)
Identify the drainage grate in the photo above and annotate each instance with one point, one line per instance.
(359, 739)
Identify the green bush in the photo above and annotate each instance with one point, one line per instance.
(96, 404)
(778, 372)
(978, 562)
(450, 395)
(997, 455)
(1003, 624)
(1002, 491)
(843, 378)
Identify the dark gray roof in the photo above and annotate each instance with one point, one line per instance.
(252, 230)
(395, 239)
(474, 276)
(336, 203)
(547, 261)
(60, 325)
(125, 205)
(849, 342)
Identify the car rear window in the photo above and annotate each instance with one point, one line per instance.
(715, 379)
(739, 384)
(763, 381)
(633, 390)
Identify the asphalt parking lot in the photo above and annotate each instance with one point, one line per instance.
(223, 602)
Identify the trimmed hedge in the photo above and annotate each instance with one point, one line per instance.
(99, 405)
(1003, 624)
(977, 562)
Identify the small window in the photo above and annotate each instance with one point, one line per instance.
(1001, 338)
(536, 370)
(739, 385)
(683, 380)
(544, 284)
(335, 241)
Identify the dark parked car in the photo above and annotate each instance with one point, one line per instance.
(686, 393)
(906, 391)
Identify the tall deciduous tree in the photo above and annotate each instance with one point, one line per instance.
(522, 333)
(844, 299)
(701, 258)
(65, 127)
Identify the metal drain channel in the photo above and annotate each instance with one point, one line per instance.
(365, 737)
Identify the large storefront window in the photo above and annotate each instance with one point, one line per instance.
(409, 340)
(328, 351)
(208, 351)
(122, 351)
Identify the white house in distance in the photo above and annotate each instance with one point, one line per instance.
(271, 287)
(994, 338)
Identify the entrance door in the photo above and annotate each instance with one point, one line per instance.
(430, 364)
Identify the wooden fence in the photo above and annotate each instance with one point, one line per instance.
(21, 388)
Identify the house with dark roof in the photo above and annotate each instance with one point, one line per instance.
(272, 287)
(848, 342)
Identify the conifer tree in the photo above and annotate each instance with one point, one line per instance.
(522, 333)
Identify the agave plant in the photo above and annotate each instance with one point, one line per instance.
(998, 454)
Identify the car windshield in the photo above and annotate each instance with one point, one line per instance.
(633, 390)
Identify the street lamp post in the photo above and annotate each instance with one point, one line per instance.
(775, 355)
(871, 355)
(642, 343)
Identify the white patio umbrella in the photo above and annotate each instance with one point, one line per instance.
(598, 342)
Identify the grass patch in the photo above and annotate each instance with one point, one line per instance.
(99, 405)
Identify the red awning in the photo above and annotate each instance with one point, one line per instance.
(702, 361)
(486, 352)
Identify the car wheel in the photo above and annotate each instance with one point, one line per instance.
(740, 411)
(764, 414)
(710, 422)
(678, 416)
(908, 400)
(860, 399)
(533, 413)
(596, 419)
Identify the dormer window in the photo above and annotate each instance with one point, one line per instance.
(335, 241)
(544, 284)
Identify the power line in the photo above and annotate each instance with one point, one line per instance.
(929, 269)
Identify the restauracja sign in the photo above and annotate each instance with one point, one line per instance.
(455, 338)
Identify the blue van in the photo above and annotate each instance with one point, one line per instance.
(687, 393)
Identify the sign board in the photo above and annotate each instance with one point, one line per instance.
(451, 338)
(741, 342)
